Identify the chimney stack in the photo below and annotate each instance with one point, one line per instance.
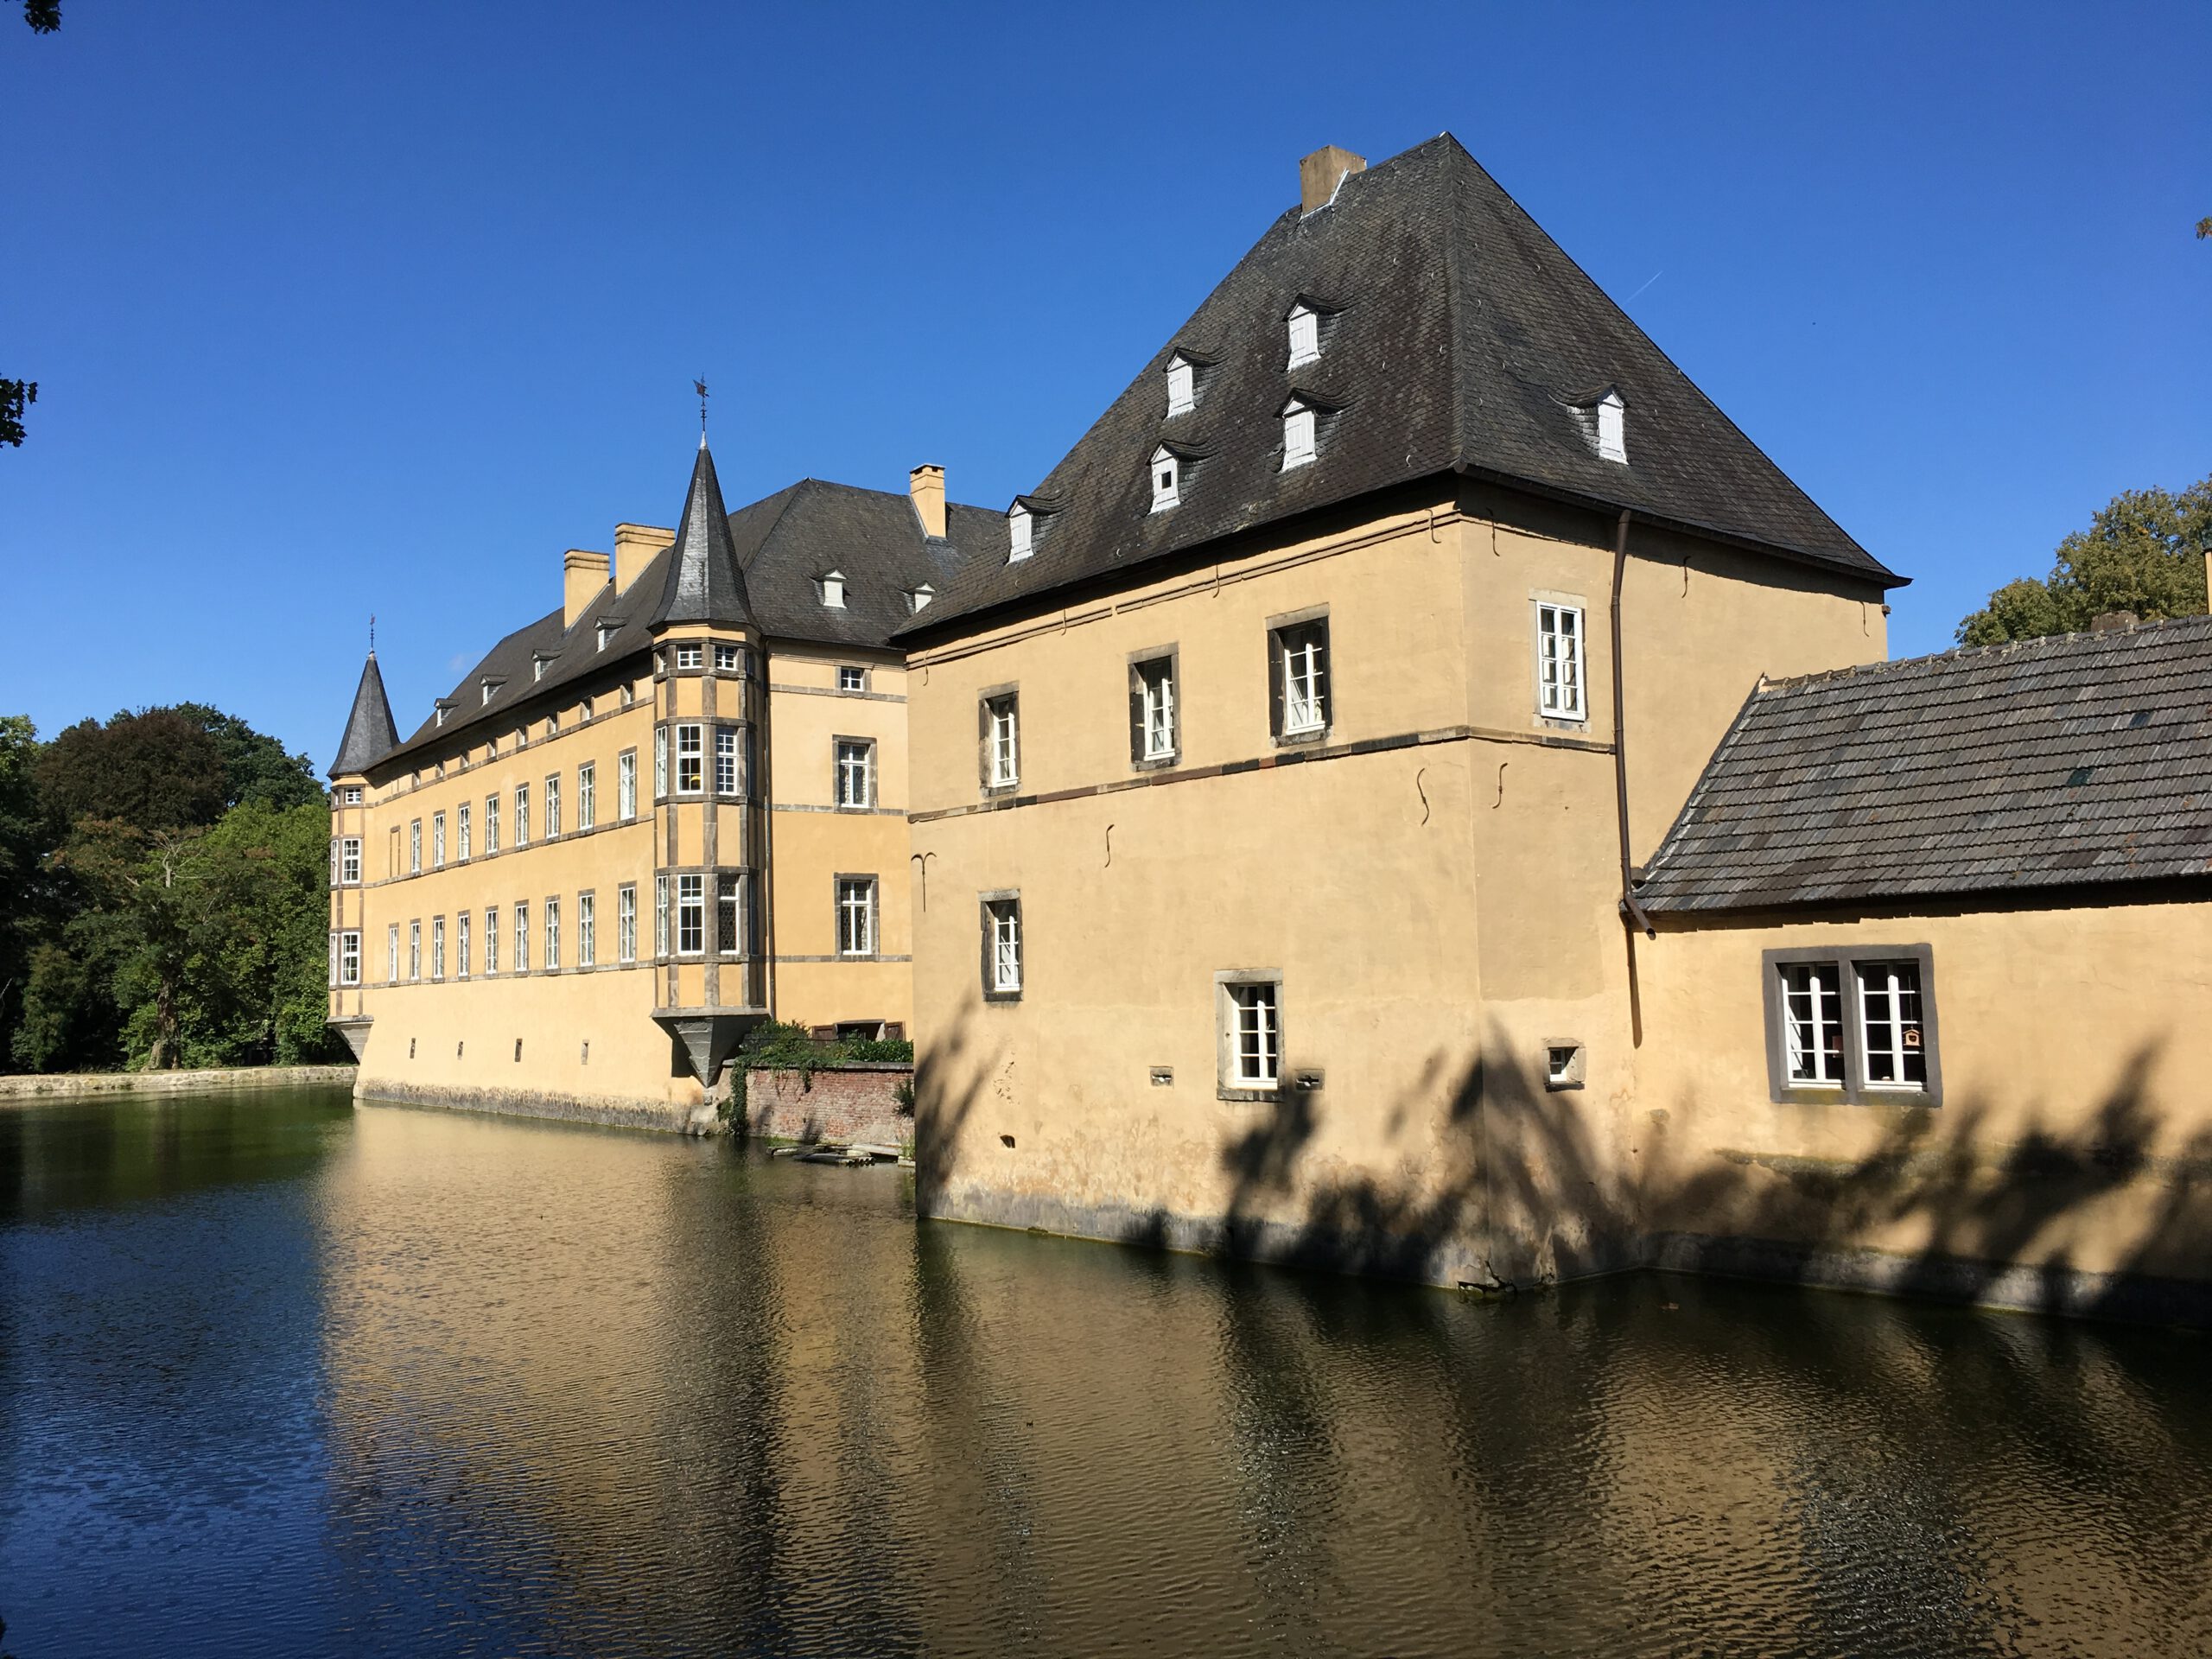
(926, 485)
(1320, 174)
(583, 575)
(635, 548)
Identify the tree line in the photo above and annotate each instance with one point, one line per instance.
(163, 895)
(2144, 551)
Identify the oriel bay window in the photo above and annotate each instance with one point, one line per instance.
(1250, 1013)
(1001, 946)
(349, 958)
(1298, 677)
(730, 912)
(690, 760)
(660, 915)
(855, 915)
(691, 915)
(1153, 736)
(1851, 1023)
(349, 861)
(660, 762)
(728, 776)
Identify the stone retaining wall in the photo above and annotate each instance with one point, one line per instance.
(62, 1084)
(853, 1101)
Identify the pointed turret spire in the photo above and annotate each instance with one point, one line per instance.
(704, 581)
(370, 734)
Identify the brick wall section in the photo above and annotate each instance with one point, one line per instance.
(853, 1102)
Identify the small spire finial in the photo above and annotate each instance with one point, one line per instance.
(699, 386)
(372, 633)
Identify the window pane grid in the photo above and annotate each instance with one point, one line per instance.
(1255, 1034)
(1813, 1024)
(1559, 661)
(1889, 999)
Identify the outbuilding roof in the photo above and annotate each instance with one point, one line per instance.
(1461, 337)
(2081, 758)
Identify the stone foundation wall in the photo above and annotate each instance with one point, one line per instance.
(853, 1102)
(56, 1085)
(612, 1109)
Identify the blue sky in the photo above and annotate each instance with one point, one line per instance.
(343, 309)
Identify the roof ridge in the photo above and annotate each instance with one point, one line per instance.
(2034, 643)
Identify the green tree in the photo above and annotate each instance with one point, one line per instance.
(16, 396)
(255, 769)
(2144, 551)
(155, 770)
(24, 838)
(43, 15)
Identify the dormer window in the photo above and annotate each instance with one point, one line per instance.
(1018, 523)
(916, 598)
(1167, 478)
(1182, 385)
(1298, 419)
(1613, 429)
(1305, 333)
(832, 590)
(487, 687)
(607, 631)
(538, 665)
(442, 714)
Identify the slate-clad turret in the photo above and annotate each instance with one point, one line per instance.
(370, 734)
(705, 584)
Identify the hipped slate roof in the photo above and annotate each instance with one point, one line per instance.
(2086, 758)
(782, 545)
(1460, 336)
(370, 734)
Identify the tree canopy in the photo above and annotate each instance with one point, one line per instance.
(2144, 551)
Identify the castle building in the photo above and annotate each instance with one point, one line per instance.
(670, 810)
(1297, 797)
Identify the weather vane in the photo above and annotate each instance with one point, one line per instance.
(372, 633)
(699, 386)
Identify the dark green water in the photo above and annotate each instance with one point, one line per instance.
(280, 1376)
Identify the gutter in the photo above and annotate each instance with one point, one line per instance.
(1631, 912)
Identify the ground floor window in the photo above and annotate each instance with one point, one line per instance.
(855, 915)
(1251, 1032)
(1851, 1023)
(1002, 946)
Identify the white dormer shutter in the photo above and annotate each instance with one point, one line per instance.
(1305, 334)
(1182, 385)
(1017, 528)
(920, 597)
(1613, 429)
(1296, 434)
(832, 590)
(1166, 480)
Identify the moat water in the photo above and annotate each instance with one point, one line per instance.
(282, 1376)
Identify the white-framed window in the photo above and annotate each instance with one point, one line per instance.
(625, 785)
(522, 938)
(553, 806)
(692, 656)
(728, 885)
(851, 677)
(832, 590)
(587, 930)
(855, 772)
(1561, 692)
(437, 947)
(855, 915)
(1152, 709)
(1851, 1023)
(1300, 664)
(1298, 417)
(461, 828)
(1018, 527)
(607, 631)
(691, 915)
(1002, 741)
(391, 955)
(1613, 429)
(918, 596)
(537, 668)
(726, 774)
(660, 762)
(1002, 946)
(1304, 327)
(1166, 480)
(461, 944)
(1182, 385)
(690, 758)
(349, 957)
(660, 915)
(485, 688)
(437, 841)
(349, 861)
(490, 823)
(415, 847)
(1251, 1033)
(725, 659)
(414, 950)
(586, 806)
(521, 815)
(351, 795)
(552, 934)
(626, 922)
(491, 938)
(1812, 998)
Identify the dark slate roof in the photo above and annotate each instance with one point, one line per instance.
(369, 731)
(2086, 758)
(1464, 339)
(781, 545)
(704, 583)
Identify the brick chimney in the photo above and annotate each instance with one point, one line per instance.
(926, 485)
(1320, 174)
(634, 547)
(583, 575)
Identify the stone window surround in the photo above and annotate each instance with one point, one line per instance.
(1855, 1091)
(1225, 1039)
